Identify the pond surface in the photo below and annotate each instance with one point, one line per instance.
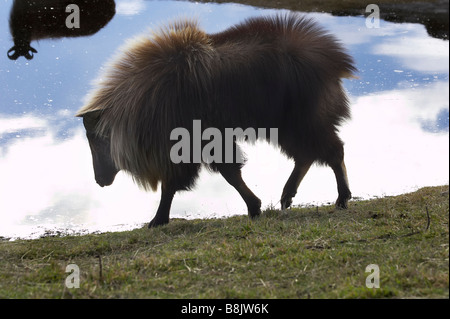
(396, 142)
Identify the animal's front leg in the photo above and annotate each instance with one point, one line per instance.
(162, 214)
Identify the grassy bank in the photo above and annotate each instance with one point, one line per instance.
(302, 253)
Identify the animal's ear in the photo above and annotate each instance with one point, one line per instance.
(90, 119)
(94, 115)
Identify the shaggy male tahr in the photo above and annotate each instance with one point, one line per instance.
(279, 72)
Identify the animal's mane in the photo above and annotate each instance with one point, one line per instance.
(133, 55)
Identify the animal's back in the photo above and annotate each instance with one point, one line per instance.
(278, 68)
(292, 34)
(262, 63)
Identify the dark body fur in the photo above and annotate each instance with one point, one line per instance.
(273, 72)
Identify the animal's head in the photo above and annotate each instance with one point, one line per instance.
(104, 167)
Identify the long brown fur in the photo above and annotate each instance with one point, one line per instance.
(270, 72)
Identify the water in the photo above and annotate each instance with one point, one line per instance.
(396, 142)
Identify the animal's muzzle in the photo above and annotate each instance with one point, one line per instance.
(104, 182)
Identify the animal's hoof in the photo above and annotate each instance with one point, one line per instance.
(254, 213)
(341, 206)
(342, 203)
(285, 202)
(156, 223)
(254, 209)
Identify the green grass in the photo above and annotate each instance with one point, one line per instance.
(302, 253)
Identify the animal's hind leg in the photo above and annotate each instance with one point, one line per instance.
(162, 214)
(336, 161)
(290, 189)
(232, 174)
(340, 172)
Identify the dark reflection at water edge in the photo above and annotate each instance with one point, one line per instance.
(35, 20)
(434, 15)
